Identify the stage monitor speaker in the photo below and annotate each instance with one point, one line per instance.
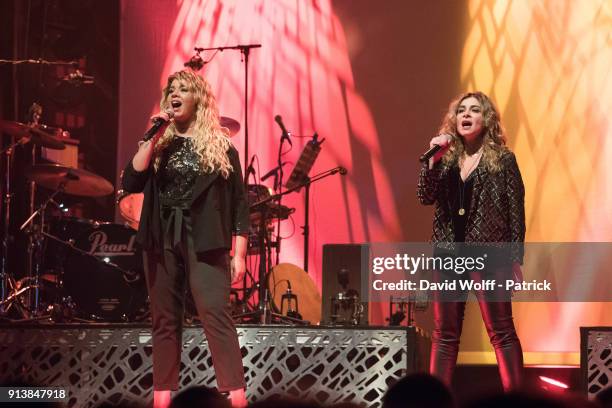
(342, 265)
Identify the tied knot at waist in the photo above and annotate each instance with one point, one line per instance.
(174, 213)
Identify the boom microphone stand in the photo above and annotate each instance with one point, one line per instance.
(244, 50)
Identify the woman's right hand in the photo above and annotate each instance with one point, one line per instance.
(142, 158)
(165, 115)
(443, 140)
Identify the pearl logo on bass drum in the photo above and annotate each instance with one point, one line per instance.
(100, 245)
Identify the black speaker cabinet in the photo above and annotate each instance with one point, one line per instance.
(343, 300)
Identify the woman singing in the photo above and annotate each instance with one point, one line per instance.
(476, 186)
(194, 203)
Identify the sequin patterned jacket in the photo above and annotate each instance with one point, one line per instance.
(218, 208)
(497, 211)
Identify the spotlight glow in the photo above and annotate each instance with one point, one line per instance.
(553, 382)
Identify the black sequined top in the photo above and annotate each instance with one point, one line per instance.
(178, 170)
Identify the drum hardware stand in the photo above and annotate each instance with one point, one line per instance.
(33, 281)
(7, 282)
(290, 299)
(37, 240)
(263, 313)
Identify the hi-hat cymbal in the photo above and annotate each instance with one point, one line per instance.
(232, 124)
(36, 135)
(77, 182)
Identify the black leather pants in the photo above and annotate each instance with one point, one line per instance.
(497, 316)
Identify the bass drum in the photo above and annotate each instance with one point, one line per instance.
(107, 283)
(308, 296)
(130, 207)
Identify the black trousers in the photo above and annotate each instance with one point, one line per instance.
(208, 275)
(497, 317)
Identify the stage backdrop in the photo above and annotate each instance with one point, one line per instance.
(374, 81)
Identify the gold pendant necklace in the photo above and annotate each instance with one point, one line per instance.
(462, 185)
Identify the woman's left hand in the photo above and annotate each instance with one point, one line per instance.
(238, 267)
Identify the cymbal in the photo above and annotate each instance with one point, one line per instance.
(37, 136)
(231, 124)
(78, 182)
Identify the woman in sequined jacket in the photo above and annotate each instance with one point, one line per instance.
(476, 187)
(194, 207)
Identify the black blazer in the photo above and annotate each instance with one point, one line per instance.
(219, 207)
(497, 212)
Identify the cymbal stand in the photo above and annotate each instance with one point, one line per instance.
(7, 282)
(37, 236)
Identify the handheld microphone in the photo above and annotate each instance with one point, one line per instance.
(157, 124)
(435, 149)
(286, 133)
(430, 153)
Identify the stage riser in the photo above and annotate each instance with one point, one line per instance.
(114, 363)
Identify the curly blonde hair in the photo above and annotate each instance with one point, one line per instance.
(494, 138)
(211, 141)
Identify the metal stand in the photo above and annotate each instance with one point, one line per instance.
(306, 226)
(263, 313)
(7, 282)
(244, 50)
(34, 284)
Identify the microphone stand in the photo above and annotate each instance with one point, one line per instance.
(279, 177)
(244, 50)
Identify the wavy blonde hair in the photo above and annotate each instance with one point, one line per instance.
(494, 137)
(210, 140)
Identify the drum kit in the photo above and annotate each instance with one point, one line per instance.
(90, 271)
(80, 269)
